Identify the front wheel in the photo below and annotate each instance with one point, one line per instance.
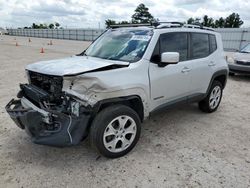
(213, 99)
(115, 131)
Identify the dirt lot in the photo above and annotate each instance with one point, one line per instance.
(182, 147)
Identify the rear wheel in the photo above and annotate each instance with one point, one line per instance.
(115, 131)
(213, 99)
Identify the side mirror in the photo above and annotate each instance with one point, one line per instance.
(170, 57)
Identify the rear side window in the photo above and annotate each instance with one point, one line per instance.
(200, 45)
(175, 42)
(189, 45)
(213, 44)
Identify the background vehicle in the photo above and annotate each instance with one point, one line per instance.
(240, 62)
(123, 77)
(2, 31)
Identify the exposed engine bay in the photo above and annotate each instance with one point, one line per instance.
(45, 91)
(51, 84)
(47, 114)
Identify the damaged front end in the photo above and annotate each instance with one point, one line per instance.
(47, 114)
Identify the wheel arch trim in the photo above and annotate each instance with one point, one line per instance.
(223, 72)
(126, 100)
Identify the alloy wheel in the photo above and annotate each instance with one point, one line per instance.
(119, 134)
(214, 98)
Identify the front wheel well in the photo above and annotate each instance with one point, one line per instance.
(133, 102)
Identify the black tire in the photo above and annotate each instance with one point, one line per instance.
(102, 121)
(204, 105)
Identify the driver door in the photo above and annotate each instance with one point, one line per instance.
(171, 82)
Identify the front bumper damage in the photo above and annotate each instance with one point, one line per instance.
(48, 127)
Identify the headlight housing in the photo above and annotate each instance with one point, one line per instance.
(230, 60)
(27, 76)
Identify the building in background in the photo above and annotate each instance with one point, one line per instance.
(234, 38)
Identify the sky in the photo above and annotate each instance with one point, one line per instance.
(92, 13)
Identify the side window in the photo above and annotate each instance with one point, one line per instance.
(200, 45)
(175, 42)
(213, 44)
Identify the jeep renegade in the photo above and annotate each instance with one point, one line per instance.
(124, 76)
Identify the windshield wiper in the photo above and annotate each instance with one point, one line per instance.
(244, 52)
(82, 54)
(111, 58)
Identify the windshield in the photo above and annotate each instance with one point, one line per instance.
(121, 45)
(246, 49)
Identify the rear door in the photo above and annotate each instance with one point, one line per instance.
(202, 61)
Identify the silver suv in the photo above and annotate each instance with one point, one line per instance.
(123, 77)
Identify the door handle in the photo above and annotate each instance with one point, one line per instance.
(185, 69)
(211, 64)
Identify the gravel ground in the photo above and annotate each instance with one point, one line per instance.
(181, 147)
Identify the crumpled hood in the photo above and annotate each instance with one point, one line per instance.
(242, 57)
(72, 65)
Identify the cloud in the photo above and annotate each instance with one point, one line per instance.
(58, 9)
(189, 2)
(89, 13)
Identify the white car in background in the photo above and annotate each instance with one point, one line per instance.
(3, 31)
(239, 63)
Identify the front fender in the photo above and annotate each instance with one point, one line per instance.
(90, 92)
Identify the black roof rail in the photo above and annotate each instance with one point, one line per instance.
(196, 26)
(174, 23)
(162, 25)
(129, 25)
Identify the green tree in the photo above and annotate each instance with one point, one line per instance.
(142, 15)
(109, 22)
(57, 25)
(193, 21)
(51, 26)
(220, 23)
(35, 26)
(124, 22)
(208, 22)
(42, 26)
(190, 21)
(233, 21)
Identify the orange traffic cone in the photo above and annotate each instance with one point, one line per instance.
(17, 44)
(42, 51)
(29, 40)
